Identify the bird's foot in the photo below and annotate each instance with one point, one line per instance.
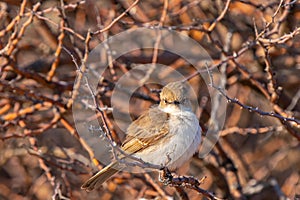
(165, 176)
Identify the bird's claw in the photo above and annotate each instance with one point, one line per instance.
(165, 176)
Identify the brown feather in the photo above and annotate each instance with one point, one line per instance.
(99, 178)
(149, 128)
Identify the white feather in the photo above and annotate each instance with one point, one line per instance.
(183, 143)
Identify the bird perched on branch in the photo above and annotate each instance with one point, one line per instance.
(167, 135)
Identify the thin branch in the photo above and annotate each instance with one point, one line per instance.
(220, 17)
(117, 19)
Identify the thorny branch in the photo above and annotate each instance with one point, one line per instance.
(254, 109)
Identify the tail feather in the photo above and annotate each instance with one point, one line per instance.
(98, 179)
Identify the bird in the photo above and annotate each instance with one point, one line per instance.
(167, 134)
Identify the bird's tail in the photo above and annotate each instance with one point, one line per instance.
(99, 178)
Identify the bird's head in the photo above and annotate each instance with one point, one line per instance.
(174, 98)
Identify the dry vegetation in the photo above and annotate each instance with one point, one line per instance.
(257, 43)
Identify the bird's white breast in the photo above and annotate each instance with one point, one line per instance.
(182, 143)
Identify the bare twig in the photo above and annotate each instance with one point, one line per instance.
(186, 182)
(220, 17)
(156, 45)
(257, 110)
(57, 52)
(270, 77)
(244, 131)
(117, 19)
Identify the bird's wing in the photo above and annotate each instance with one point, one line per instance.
(149, 128)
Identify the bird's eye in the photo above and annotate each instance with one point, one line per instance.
(176, 102)
(165, 101)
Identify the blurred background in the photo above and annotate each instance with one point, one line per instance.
(255, 44)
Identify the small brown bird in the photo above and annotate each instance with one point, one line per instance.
(166, 135)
